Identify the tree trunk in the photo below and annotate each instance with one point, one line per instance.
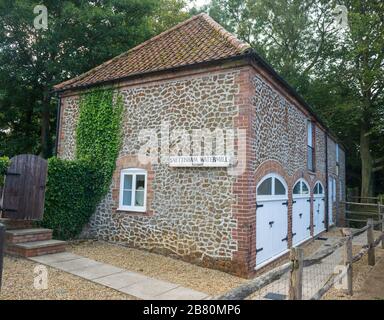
(45, 127)
(366, 163)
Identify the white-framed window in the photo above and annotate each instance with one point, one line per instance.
(337, 153)
(133, 190)
(272, 187)
(301, 188)
(310, 147)
(319, 189)
(337, 160)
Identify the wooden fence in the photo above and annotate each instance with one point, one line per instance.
(357, 213)
(297, 264)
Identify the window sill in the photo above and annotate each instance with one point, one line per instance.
(122, 210)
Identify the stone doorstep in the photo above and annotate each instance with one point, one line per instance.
(24, 232)
(35, 248)
(39, 244)
(27, 235)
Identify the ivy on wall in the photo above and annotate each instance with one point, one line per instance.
(4, 164)
(98, 134)
(74, 188)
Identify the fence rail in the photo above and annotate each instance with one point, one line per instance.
(357, 213)
(297, 264)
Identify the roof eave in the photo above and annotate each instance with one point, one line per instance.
(239, 57)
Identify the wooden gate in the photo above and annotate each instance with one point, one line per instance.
(24, 189)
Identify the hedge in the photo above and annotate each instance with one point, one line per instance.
(72, 194)
(4, 164)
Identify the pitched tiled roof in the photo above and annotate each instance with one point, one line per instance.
(198, 39)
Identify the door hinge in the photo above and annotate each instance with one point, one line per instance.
(293, 234)
(285, 239)
(259, 250)
(259, 206)
(12, 174)
(285, 203)
(309, 200)
(309, 228)
(294, 202)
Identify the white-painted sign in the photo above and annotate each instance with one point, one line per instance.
(199, 161)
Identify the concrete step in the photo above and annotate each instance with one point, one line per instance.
(27, 235)
(35, 248)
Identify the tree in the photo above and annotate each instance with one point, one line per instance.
(81, 34)
(339, 72)
(360, 68)
(292, 35)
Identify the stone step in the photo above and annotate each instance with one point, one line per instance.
(27, 235)
(11, 224)
(35, 248)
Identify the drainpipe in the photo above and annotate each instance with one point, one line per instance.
(326, 184)
(58, 124)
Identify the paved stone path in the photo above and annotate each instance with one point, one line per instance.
(315, 276)
(134, 284)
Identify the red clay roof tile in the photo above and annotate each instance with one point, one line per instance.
(198, 39)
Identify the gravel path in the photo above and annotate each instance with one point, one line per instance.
(205, 280)
(18, 280)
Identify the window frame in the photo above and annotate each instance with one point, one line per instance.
(337, 156)
(301, 194)
(134, 172)
(272, 196)
(318, 183)
(310, 146)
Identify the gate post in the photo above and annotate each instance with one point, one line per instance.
(348, 256)
(296, 274)
(370, 242)
(2, 243)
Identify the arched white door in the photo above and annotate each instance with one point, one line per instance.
(271, 219)
(318, 208)
(301, 212)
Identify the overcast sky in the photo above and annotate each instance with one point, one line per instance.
(198, 3)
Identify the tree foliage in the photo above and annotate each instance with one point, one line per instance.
(338, 71)
(81, 34)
